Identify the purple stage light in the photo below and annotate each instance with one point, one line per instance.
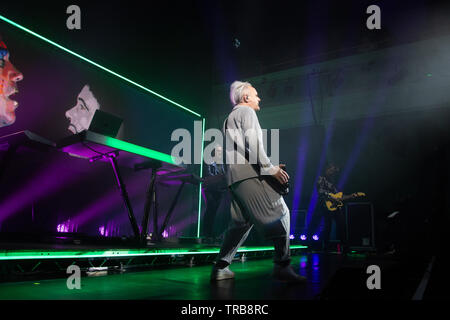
(323, 157)
(303, 262)
(102, 230)
(316, 261)
(378, 100)
(315, 237)
(62, 227)
(303, 237)
(165, 234)
(301, 165)
(43, 184)
(110, 199)
(67, 226)
(291, 237)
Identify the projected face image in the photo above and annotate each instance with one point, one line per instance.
(8, 87)
(81, 114)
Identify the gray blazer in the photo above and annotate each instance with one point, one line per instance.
(244, 160)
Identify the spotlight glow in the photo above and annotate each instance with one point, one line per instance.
(291, 237)
(66, 226)
(62, 228)
(303, 237)
(315, 237)
(303, 262)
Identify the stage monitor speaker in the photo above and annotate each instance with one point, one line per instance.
(360, 228)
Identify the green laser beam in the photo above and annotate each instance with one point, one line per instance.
(96, 64)
(201, 176)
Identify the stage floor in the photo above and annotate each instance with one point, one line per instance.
(253, 281)
(330, 276)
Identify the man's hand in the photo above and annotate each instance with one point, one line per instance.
(281, 175)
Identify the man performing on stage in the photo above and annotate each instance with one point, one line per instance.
(254, 202)
(330, 208)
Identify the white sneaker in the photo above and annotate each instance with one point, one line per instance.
(287, 274)
(221, 274)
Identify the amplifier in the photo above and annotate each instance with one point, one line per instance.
(360, 228)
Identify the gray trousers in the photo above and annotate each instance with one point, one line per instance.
(255, 203)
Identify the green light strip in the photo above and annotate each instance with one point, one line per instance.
(126, 146)
(27, 255)
(96, 64)
(201, 176)
(129, 147)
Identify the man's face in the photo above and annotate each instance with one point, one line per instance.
(9, 77)
(253, 99)
(331, 171)
(81, 115)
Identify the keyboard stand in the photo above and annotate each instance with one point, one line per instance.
(95, 147)
(151, 201)
(122, 187)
